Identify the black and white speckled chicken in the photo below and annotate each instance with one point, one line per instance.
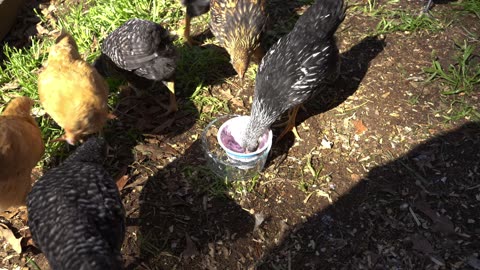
(142, 48)
(237, 25)
(75, 213)
(299, 66)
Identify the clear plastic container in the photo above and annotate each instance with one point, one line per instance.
(224, 166)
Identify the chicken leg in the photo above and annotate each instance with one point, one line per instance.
(172, 104)
(290, 124)
(186, 31)
(426, 9)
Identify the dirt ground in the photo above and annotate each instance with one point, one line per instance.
(379, 179)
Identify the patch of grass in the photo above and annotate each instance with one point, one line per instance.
(460, 81)
(241, 188)
(205, 181)
(472, 6)
(208, 106)
(90, 22)
(32, 263)
(462, 76)
(405, 21)
(394, 19)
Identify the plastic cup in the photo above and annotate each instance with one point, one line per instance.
(224, 157)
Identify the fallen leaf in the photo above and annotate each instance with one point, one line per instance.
(190, 250)
(386, 95)
(360, 128)
(355, 177)
(319, 193)
(259, 218)
(140, 180)
(326, 144)
(122, 181)
(421, 244)
(474, 262)
(8, 235)
(440, 223)
(152, 151)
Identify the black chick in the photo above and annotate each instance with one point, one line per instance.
(194, 8)
(144, 49)
(75, 213)
(299, 66)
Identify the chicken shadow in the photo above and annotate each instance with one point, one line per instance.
(353, 67)
(179, 217)
(24, 27)
(410, 213)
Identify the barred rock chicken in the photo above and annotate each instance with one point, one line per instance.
(237, 24)
(194, 8)
(75, 213)
(72, 92)
(144, 49)
(21, 147)
(299, 66)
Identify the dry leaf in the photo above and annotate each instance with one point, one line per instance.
(319, 193)
(326, 144)
(474, 262)
(421, 244)
(8, 235)
(122, 181)
(190, 250)
(440, 223)
(355, 177)
(139, 181)
(259, 218)
(360, 128)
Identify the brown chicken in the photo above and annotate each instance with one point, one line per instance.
(21, 147)
(72, 92)
(237, 25)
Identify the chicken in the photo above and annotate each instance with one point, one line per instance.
(238, 25)
(72, 92)
(140, 48)
(194, 8)
(21, 147)
(75, 213)
(299, 66)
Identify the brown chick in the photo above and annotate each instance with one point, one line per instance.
(72, 92)
(21, 147)
(238, 25)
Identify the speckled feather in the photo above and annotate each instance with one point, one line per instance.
(75, 213)
(238, 21)
(299, 66)
(142, 47)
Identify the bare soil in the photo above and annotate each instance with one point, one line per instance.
(379, 180)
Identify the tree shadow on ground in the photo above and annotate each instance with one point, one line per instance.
(179, 217)
(353, 68)
(418, 211)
